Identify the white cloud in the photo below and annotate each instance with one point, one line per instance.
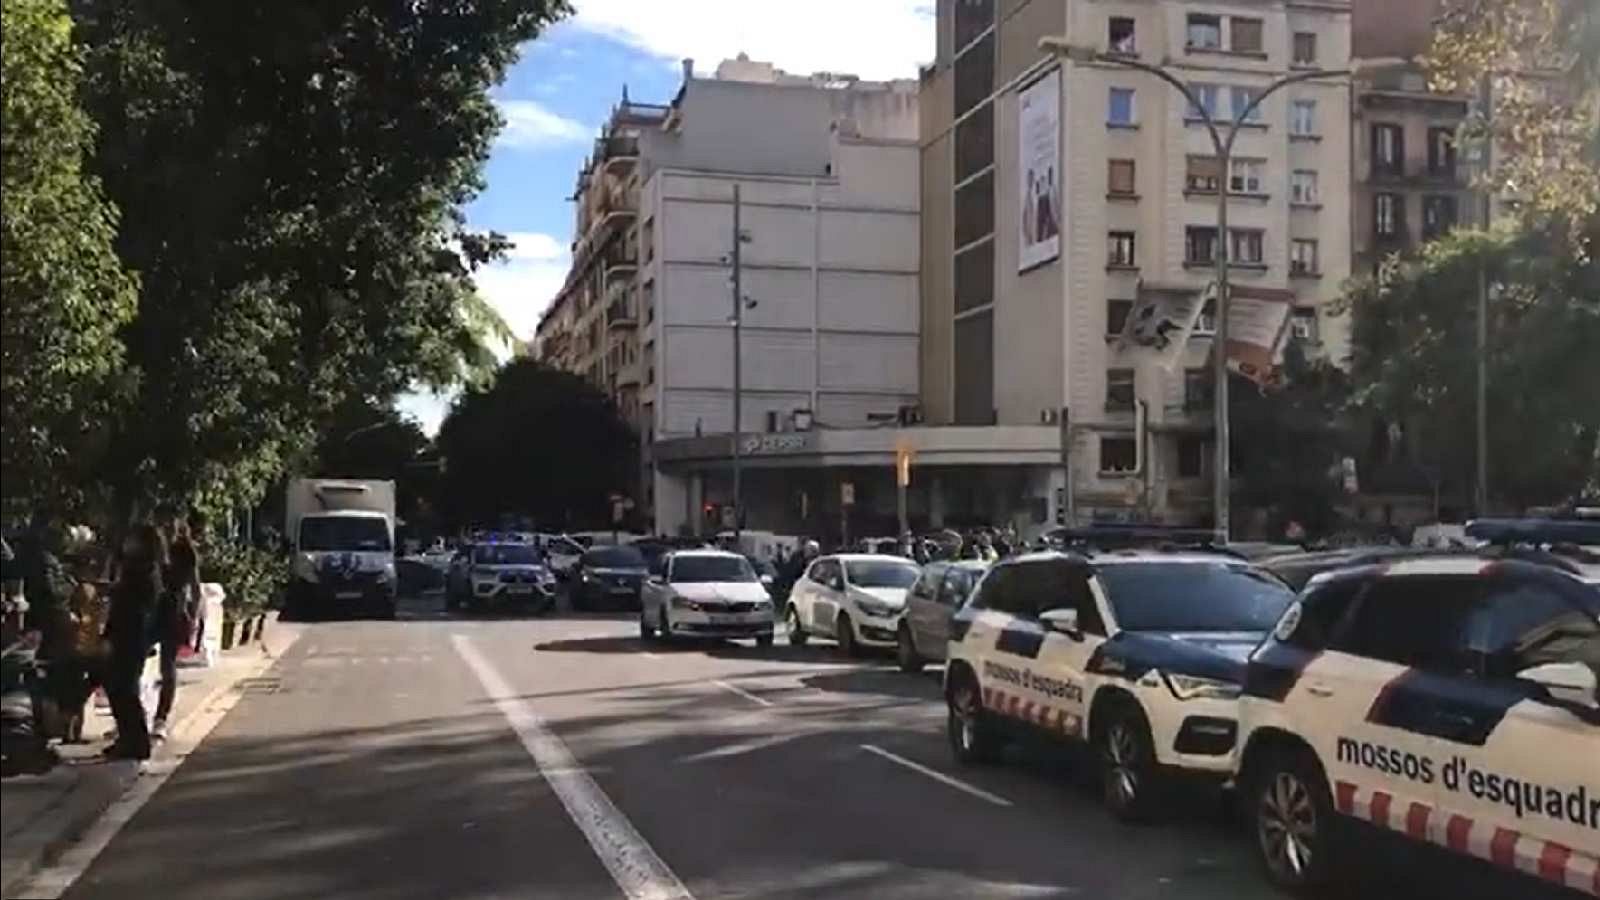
(521, 286)
(529, 125)
(875, 39)
(534, 246)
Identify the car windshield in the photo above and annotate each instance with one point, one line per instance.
(319, 534)
(1193, 596)
(614, 558)
(871, 573)
(507, 555)
(711, 568)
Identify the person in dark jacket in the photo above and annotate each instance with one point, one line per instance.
(134, 600)
(175, 616)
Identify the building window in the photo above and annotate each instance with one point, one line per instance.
(1303, 324)
(974, 210)
(1438, 215)
(1303, 118)
(1205, 101)
(1197, 392)
(1246, 246)
(1388, 215)
(1120, 177)
(1203, 175)
(1118, 455)
(1303, 257)
(1191, 457)
(1120, 250)
(1442, 152)
(1119, 107)
(1241, 98)
(975, 142)
(974, 276)
(1388, 149)
(1120, 35)
(1244, 35)
(1119, 389)
(974, 73)
(1117, 312)
(972, 18)
(1207, 323)
(1200, 245)
(1305, 48)
(1205, 32)
(1247, 176)
(1303, 186)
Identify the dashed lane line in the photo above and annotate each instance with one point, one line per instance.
(938, 776)
(735, 689)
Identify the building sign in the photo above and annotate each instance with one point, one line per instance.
(1162, 321)
(1039, 171)
(777, 444)
(1258, 321)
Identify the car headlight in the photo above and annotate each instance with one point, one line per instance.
(1193, 687)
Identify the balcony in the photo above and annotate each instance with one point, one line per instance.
(620, 314)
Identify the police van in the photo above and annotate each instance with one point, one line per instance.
(1450, 699)
(1139, 653)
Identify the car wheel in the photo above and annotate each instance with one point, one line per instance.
(764, 640)
(845, 634)
(797, 634)
(905, 651)
(1128, 771)
(973, 740)
(647, 632)
(1294, 821)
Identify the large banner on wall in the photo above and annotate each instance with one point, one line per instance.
(1258, 322)
(1039, 172)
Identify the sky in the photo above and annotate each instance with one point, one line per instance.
(562, 89)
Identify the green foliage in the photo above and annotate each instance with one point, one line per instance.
(293, 174)
(1414, 356)
(365, 439)
(65, 293)
(253, 579)
(537, 442)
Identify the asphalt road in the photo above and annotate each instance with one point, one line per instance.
(559, 757)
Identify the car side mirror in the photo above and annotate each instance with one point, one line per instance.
(1570, 678)
(1063, 621)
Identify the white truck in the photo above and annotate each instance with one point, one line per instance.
(342, 534)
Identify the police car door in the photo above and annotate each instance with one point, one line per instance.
(1030, 674)
(1061, 688)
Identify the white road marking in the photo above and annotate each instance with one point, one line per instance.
(938, 776)
(52, 881)
(648, 655)
(742, 747)
(743, 693)
(633, 864)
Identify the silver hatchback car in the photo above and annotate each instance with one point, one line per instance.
(931, 602)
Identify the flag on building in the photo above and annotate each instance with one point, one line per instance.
(1163, 319)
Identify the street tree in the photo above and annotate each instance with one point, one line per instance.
(1414, 357)
(65, 292)
(538, 442)
(370, 439)
(294, 174)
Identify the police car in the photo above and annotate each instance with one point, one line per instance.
(1140, 654)
(1450, 699)
(497, 572)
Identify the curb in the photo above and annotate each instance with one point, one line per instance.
(63, 823)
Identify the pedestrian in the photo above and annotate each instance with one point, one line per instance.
(176, 616)
(134, 599)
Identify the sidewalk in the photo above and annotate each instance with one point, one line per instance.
(42, 815)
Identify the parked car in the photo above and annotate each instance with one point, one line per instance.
(609, 577)
(707, 594)
(1139, 654)
(499, 575)
(1450, 699)
(931, 604)
(854, 598)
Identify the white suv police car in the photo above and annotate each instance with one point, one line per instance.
(1140, 653)
(1450, 699)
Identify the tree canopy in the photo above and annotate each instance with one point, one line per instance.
(65, 292)
(538, 442)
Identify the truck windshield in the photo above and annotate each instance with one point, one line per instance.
(343, 533)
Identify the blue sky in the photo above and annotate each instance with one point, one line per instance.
(559, 93)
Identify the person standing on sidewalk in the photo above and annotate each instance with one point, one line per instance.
(175, 616)
(134, 600)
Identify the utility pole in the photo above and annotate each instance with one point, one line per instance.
(738, 370)
(1486, 201)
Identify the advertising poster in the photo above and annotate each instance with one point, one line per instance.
(1039, 143)
(1258, 321)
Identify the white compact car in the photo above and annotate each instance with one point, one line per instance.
(1449, 699)
(705, 594)
(855, 598)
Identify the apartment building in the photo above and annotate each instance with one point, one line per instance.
(1059, 193)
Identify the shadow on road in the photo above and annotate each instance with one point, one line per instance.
(879, 682)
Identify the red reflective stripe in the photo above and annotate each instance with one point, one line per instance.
(1503, 848)
(1595, 887)
(1379, 812)
(1417, 820)
(988, 696)
(1027, 711)
(1345, 797)
(1458, 834)
(1553, 863)
(1012, 704)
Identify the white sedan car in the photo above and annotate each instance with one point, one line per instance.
(705, 594)
(857, 599)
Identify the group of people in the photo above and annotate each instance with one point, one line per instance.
(96, 626)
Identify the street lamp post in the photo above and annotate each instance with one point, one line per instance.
(1222, 143)
(738, 370)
